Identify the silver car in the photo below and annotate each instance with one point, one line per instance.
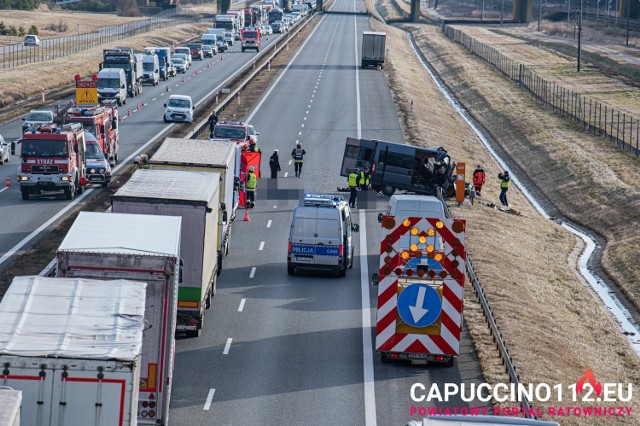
(179, 64)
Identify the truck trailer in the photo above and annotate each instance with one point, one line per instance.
(143, 248)
(10, 406)
(73, 347)
(222, 157)
(373, 47)
(195, 197)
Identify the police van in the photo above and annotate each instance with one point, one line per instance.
(321, 235)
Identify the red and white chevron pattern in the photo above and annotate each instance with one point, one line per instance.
(393, 231)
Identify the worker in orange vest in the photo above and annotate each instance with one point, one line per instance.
(479, 178)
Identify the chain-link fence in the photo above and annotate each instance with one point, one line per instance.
(593, 116)
(17, 54)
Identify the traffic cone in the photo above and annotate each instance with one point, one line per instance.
(208, 64)
(246, 216)
(8, 182)
(196, 72)
(222, 57)
(166, 87)
(129, 112)
(137, 107)
(142, 103)
(183, 79)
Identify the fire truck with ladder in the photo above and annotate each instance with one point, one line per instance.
(99, 120)
(53, 159)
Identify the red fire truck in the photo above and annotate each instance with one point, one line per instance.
(53, 159)
(102, 122)
(250, 39)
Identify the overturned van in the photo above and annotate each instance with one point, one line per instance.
(399, 166)
(321, 235)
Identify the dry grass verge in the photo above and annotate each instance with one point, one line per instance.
(22, 82)
(554, 325)
(75, 22)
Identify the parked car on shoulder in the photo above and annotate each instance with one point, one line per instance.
(179, 108)
(36, 118)
(5, 150)
(179, 64)
(31, 40)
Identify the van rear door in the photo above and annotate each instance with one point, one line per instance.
(396, 165)
(329, 237)
(357, 153)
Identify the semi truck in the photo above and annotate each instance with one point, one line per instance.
(222, 157)
(420, 282)
(53, 158)
(73, 347)
(143, 248)
(395, 165)
(193, 196)
(373, 48)
(130, 62)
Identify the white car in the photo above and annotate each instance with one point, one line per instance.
(31, 40)
(5, 150)
(184, 59)
(36, 118)
(179, 64)
(179, 108)
(187, 52)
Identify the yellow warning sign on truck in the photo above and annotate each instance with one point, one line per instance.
(86, 92)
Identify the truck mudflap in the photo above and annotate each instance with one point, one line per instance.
(419, 313)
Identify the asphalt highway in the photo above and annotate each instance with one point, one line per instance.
(283, 349)
(23, 219)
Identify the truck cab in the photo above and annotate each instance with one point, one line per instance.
(250, 39)
(236, 131)
(321, 235)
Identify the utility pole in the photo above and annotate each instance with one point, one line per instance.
(502, 14)
(579, 34)
(539, 13)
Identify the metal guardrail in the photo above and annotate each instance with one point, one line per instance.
(498, 339)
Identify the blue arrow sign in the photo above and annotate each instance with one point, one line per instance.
(419, 305)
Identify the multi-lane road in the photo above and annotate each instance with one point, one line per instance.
(277, 348)
(282, 349)
(139, 130)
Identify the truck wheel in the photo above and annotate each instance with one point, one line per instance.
(449, 362)
(79, 188)
(207, 301)
(388, 190)
(291, 270)
(342, 272)
(69, 193)
(194, 333)
(384, 357)
(219, 269)
(25, 193)
(119, 102)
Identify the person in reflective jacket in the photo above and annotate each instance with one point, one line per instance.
(352, 180)
(504, 187)
(298, 158)
(251, 182)
(479, 177)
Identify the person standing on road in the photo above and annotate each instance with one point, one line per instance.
(479, 177)
(298, 158)
(504, 186)
(274, 164)
(213, 120)
(352, 181)
(363, 179)
(251, 182)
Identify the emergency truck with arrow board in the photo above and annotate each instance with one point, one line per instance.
(420, 287)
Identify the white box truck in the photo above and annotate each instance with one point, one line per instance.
(373, 47)
(10, 403)
(221, 156)
(193, 196)
(145, 248)
(73, 347)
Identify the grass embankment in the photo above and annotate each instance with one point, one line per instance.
(554, 325)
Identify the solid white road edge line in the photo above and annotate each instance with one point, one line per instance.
(209, 400)
(227, 346)
(241, 307)
(253, 272)
(367, 346)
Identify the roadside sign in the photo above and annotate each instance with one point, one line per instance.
(460, 173)
(419, 305)
(226, 90)
(87, 92)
